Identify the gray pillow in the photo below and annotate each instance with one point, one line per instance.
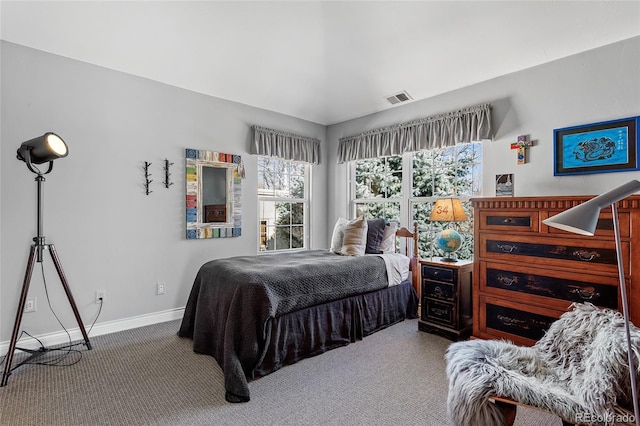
(375, 232)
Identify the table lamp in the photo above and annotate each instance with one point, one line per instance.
(448, 240)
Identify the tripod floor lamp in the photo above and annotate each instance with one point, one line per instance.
(582, 219)
(43, 149)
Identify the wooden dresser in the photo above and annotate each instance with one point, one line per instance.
(527, 274)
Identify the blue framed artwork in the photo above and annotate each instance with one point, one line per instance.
(610, 146)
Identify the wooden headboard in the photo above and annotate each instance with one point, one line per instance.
(413, 259)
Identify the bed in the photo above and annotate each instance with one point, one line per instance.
(256, 314)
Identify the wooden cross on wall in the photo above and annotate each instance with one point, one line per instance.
(522, 144)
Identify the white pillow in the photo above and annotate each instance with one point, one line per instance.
(355, 237)
(338, 235)
(388, 244)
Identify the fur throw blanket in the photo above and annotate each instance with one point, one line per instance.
(578, 370)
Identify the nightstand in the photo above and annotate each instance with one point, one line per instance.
(446, 298)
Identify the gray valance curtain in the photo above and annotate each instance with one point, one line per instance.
(276, 143)
(465, 125)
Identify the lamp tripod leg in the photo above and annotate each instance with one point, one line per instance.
(37, 249)
(67, 290)
(16, 326)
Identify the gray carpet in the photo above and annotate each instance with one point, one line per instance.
(149, 376)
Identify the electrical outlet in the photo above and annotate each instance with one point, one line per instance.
(101, 296)
(31, 305)
(160, 287)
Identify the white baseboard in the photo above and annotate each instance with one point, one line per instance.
(60, 337)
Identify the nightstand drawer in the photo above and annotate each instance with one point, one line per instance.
(440, 274)
(439, 290)
(435, 310)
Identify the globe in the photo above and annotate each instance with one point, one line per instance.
(449, 241)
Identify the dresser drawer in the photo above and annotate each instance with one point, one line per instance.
(510, 221)
(604, 226)
(436, 273)
(521, 323)
(438, 311)
(563, 288)
(595, 254)
(439, 290)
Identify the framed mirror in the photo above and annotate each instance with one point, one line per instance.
(213, 194)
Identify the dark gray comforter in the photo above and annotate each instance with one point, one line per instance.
(233, 301)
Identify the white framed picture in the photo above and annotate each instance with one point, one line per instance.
(504, 185)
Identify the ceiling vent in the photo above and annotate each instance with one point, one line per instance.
(399, 98)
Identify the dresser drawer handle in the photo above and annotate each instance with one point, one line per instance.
(587, 256)
(506, 281)
(507, 220)
(588, 293)
(506, 248)
(438, 291)
(512, 322)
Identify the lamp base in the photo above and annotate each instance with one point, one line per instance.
(448, 259)
(36, 248)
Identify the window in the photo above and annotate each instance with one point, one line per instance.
(437, 173)
(283, 204)
(407, 186)
(378, 187)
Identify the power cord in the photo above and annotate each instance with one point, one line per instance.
(67, 349)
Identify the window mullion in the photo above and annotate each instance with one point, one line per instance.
(407, 189)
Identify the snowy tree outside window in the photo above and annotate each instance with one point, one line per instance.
(408, 186)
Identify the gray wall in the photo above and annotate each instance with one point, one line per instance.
(599, 85)
(111, 236)
(108, 233)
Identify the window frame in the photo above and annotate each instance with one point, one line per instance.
(305, 201)
(354, 202)
(408, 202)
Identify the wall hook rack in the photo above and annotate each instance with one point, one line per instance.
(147, 175)
(167, 165)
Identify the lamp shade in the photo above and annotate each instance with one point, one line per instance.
(582, 219)
(448, 210)
(42, 149)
